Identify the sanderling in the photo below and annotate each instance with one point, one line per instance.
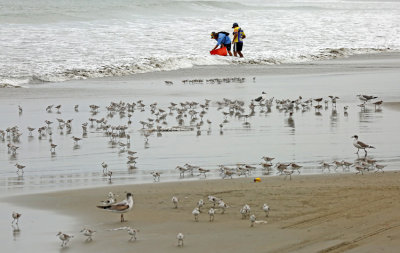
(180, 237)
(88, 233)
(245, 211)
(175, 201)
(20, 168)
(15, 217)
(196, 213)
(64, 238)
(120, 207)
(266, 210)
(211, 213)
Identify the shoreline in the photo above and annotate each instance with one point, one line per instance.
(347, 64)
(307, 214)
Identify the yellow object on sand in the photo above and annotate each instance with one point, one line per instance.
(257, 179)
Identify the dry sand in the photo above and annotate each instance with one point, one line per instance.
(321, 213)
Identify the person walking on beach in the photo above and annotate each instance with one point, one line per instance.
(223, 40)
(238, 36)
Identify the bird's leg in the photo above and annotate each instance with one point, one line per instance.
(122, 217)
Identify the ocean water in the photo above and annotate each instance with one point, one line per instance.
(59, 40)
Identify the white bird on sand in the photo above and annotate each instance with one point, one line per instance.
(15, 217)
(175, 201)
(211, 213)
(180, 237)
(200, 204)
(132, 232)
(245, 211)
(222, 205)
(252, 220)
(120, 207)
(213, 199)
(266, 210)
(196, 213)
(360, 145)
(64, 238)
(88, 233)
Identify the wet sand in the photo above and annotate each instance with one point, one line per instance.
(321, 213)
(307, 138)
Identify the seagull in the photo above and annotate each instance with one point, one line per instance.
(64, 238)
(120, 207)
(261, 98)
(15, 217)
(366, 98)
(360, 145)
(89, 233)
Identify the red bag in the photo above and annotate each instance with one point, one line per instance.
(220, 51)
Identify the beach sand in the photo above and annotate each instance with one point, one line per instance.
(321, 213)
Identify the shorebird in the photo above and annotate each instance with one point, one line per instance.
(360, 168)
(245, 211)
(120, 207)
(360, 145)
(378, 103)
(252, 220)
(88, 233)
(203, 171)
(222, 205)
(325, 165)
(15, 217)
(379, 167)
(53, 147)
(261, 98)
(182, 170)
(76, 140)
(156, 176)
(266, 210)
(211, 213)
(64, 238)
(196, 213)
(30, 129)
(200, 204)
(20, 168)
(105, 168)
(366, 98)
(296, 167)
(109, 175)
(213, 200)
(180, 237)
(175, 201)
(132, 232)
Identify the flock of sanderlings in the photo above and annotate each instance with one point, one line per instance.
(188, 116)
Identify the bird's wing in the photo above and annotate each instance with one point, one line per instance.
(362, 144)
